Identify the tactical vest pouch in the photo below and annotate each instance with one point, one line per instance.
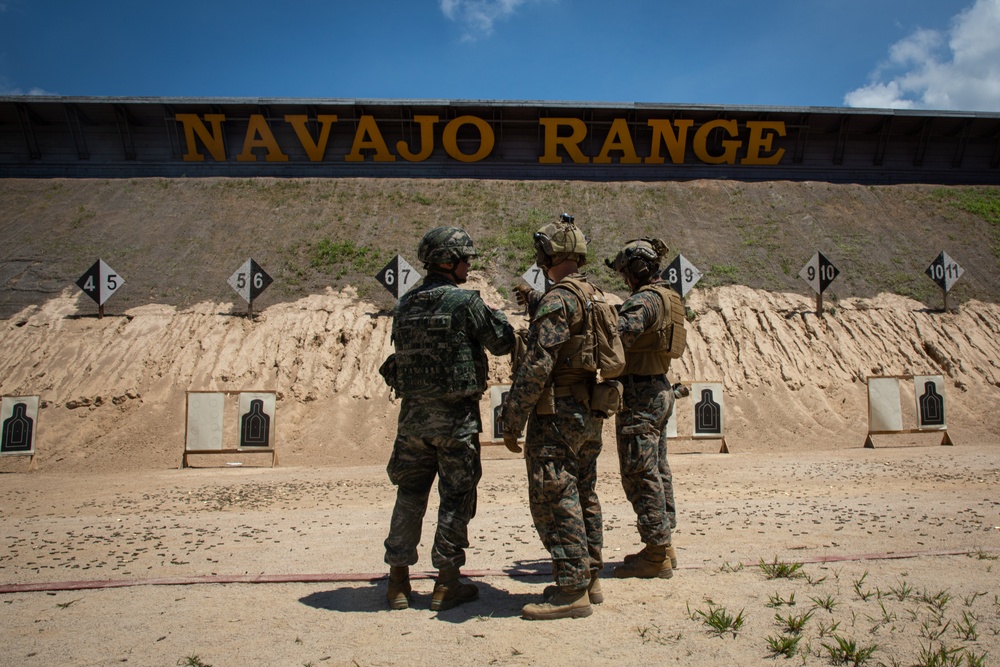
(678, 334)
(606, 398)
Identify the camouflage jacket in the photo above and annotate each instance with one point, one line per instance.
(549, 331)
(638, 313)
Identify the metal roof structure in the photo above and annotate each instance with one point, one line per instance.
(111, 137)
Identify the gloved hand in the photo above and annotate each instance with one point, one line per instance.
(680, 390)
(521, 292)
(510, 442)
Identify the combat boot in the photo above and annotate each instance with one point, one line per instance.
(671, 554)
(399, 591)
(562, 604)
(652, 563)
(594, 591)
(449, 592)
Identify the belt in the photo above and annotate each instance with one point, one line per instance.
(641, 379)
(580, 391)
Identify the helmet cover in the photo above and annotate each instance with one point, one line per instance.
(445, 245)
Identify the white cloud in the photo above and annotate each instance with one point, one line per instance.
(6, 88)
(958, 69)
(478, 16)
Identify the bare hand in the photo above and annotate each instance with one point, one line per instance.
(510, 442)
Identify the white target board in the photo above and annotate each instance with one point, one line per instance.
(19, 420)
(884, 410)
(671, 426)
(885, 407)
(204, 421)
(212, 416)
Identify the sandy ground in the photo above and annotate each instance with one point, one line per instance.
(112, 554)
(898, 546)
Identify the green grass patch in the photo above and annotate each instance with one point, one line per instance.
(328, 255)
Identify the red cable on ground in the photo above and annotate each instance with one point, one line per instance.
(347, 577)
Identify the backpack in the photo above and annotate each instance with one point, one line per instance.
(602, 327)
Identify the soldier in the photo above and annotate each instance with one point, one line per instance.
(439, 369)
(551, 392)
(646, 323)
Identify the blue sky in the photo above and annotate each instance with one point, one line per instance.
(933, 54)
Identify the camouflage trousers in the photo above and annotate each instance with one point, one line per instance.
(561, 453)
(642, 456)
(412, 468)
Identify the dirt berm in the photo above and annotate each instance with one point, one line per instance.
(113, 389)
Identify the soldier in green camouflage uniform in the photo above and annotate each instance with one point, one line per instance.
(645, 327)
(440, 370)
(551, 392)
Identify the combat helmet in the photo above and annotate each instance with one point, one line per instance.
(639, 259)
(445, 245)
(557, 241)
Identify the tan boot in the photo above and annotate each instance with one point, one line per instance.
(399, 591)
(449, 592)
(671, 554)
(563, 604)
(594, 592)
(652, 563)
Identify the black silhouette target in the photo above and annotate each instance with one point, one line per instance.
(17, 435)
(708, 409)
(256, 421)
(930, 403)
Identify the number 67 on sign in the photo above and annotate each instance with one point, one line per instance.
(398, 276)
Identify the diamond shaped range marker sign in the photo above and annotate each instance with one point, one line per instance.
(535, 276)
(819, 272)
(681, 275)
(944, 271)
(100, 282)
(250, 280)
(398, 276)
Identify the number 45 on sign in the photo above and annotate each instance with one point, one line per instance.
(99, 283)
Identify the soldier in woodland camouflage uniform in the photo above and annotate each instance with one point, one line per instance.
(439, 369)
(645, 326)
(551, 392)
